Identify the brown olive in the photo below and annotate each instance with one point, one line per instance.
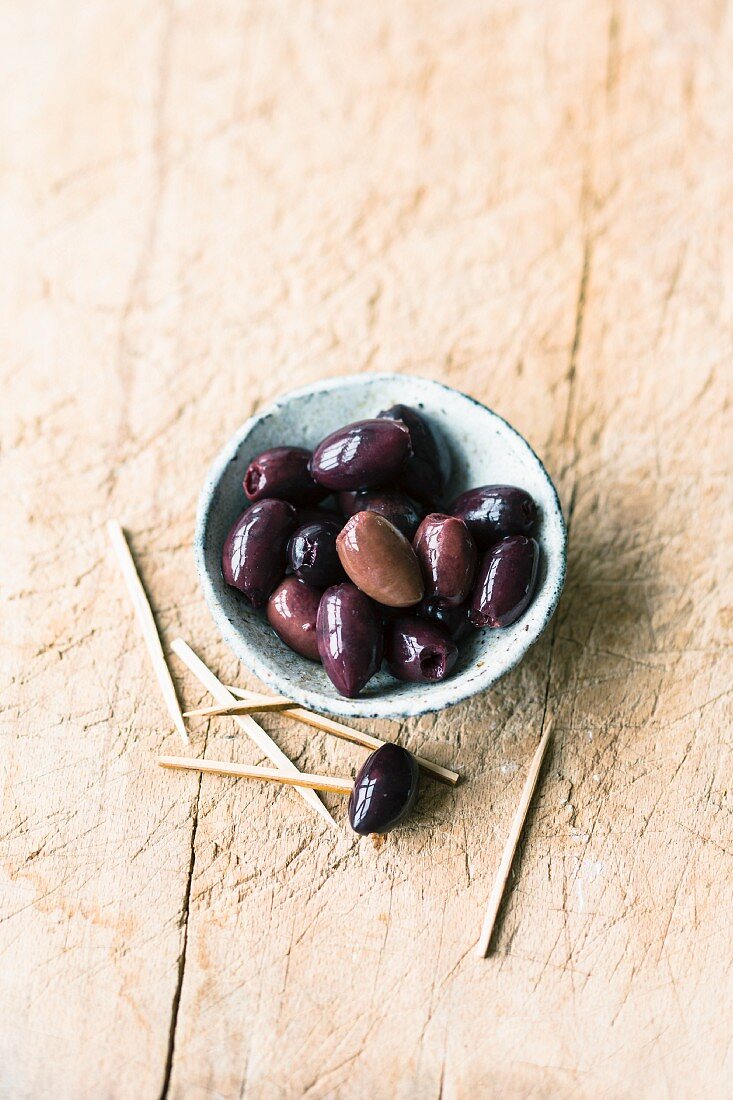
(380, 561)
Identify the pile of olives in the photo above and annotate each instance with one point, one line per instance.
(386, 572)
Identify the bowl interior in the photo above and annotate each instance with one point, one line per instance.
(485, 450)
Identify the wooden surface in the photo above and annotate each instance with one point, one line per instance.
(203, 204)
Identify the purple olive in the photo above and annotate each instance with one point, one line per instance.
(390, 503)
(447, 556)
(291, 612)
(384, 791)
(491, 512)
(282, 472)
(505, 582)
(349, 633)
(388, 613)
(345, 501)
(453, 620)
(418, 650)
(319, 515)
(426, 473)
(313, 556)
(254, 555)
(363, 454)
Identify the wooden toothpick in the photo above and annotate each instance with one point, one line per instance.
(239, 707)
(255, 732)
(252, 702)
(497, 893)
(147, 623)
(335, 783)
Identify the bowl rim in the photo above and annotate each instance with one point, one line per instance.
(247, 655)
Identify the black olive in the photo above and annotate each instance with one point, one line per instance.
(384, 790)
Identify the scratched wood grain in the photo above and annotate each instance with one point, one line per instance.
(202, 205)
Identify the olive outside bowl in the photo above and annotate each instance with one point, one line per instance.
(485, 450)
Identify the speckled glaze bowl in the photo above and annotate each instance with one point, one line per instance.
(485, 450)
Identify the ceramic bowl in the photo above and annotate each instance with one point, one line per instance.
(485, 450)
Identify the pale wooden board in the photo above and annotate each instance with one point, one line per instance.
(203, 204)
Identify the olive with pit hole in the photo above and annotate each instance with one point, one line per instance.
(393, 504)
(417, 650)
(505, 583)
(282, 472)
(313, 556)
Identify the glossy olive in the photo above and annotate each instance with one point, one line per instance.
(393, 504)
(491, 512)
(447, 555)
(505, 582)
(363, 454)
(349, 631)
(313, 556)
(418, 650)
(384, 791)
(254, 555)
(319, 515)
(426, 473)
(388, 613)
(453, 620)
(282, 472)
(292, 610)
(379, 560)
(346, 499)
